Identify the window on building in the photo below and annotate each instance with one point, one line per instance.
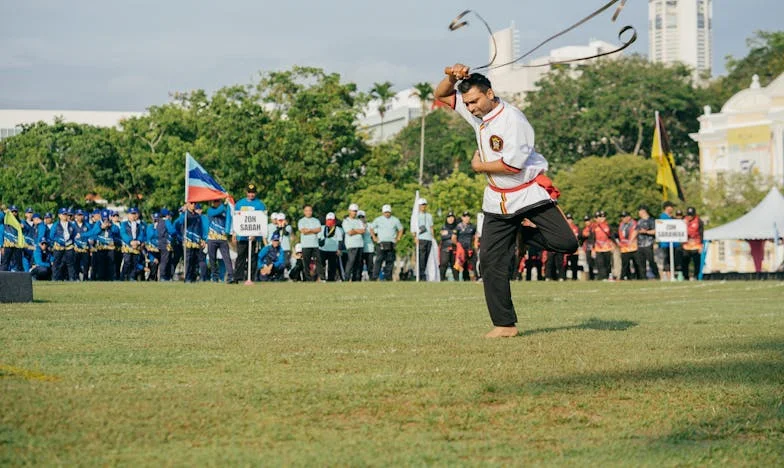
(722, 251)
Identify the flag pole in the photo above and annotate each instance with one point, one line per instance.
(185, 227)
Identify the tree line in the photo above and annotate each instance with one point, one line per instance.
(295, 134)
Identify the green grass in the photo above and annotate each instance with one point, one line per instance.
(393, 374)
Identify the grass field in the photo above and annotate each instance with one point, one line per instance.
(393, 374)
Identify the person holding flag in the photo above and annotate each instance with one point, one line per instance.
(218, 234)
(13, 244)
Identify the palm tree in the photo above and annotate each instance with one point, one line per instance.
(383, 92)
(423, 91)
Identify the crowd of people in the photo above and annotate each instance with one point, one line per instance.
(77, 245)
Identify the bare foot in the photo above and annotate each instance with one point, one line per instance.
(502, 332)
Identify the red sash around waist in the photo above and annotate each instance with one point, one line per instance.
(542, 180)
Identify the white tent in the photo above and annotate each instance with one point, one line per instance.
(760, 223)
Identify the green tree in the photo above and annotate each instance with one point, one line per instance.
(765, 58)
(727, 197)
(424, 92)
(451, 143)
(614, 184)
(608, 108)
(383, 93)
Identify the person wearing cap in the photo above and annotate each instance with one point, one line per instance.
(386, 231)
(152, 253)
(586, 237)
(646, 235)
(132, 233)
(205, 230)
(603, 245)
(41, 269)
(330, 237)
(627, 242)
(423, 236)
(218, 239)
(467, 245)
(95, 228)
(13, 245)
(517, 187)
(193, 237)
(692, 248)
(668, 212)
(283, 228)
(103, 257)
(82, 245)
(447, 247)
(118, 243)
(243, 243)
(62, 235)
(272, 226)
(44, 227)
(297, 270)
(368, 247)
(30, 233)
(572, 260)
(309, 228)
(166, 233)
(354, 229)
(272, 263)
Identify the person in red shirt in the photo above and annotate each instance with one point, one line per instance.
(603, 245)
(627, 241)
(692, 249)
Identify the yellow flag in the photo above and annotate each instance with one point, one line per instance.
(661, 154)
(11, 220)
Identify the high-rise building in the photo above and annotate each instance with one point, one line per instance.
(680, 31)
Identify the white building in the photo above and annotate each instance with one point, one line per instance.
(514, 81)
(11, 120)
(680, 31)
(403, 108)
(747, 135)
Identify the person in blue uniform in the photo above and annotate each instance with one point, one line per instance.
(118, 253)
(13, 253)
(103, 257)
(43, 229)
(42, 262)
(272, 262)
(249, 203)
(62, 235)
(218, 234)
(166, 233)
(205, 229)
(82, 245)
(30, 232)
(132, 232)
(193, 239)
(151, 249)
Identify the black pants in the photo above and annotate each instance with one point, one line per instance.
(385, 263)
(130, 261)
(297, 273)
(192, 259)
(354, 264)
(424, 256)
(165, 266)
(241, 267)
(367, 261)
(329, 265)
(629, 263)
(469, 264)
(103, 265)
(554, 266)
(530, 264)
(63, 266)
(591, 264)
(447, 262)
(603, 265)
(213, 247)
(645, 255)
(118, 259)
(309, 255)
(12, 259)
(82, 261)
(571, 265)
(677, 257)
(41, 273)
(499, 234)
(691, 256)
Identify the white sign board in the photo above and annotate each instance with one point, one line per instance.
(671, 230)
(249, 223)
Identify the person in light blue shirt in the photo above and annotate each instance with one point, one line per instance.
(354, 229)
(249, 203)
(284, 230)
(368, 247)
(309, 228)
(423, 237)
(330, 238)
(386, 231)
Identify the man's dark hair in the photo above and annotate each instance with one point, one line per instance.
(667, 204)
(474, 79)
(306, 205)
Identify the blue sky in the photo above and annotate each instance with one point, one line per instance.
(106, 55)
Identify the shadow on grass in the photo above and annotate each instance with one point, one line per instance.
(590, 324)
